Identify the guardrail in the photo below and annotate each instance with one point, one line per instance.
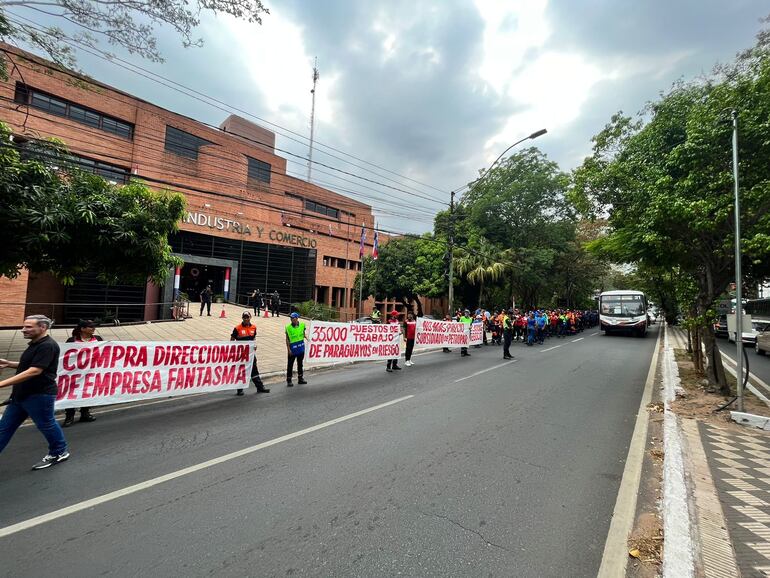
(106, 313)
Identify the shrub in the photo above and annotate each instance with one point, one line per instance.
(319, 311)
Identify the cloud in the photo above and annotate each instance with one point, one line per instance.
(436, 89)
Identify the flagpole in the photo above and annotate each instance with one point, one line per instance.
(362, 254)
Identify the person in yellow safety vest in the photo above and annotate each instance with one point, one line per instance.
(375, 315)
(296, 334)
(467, 319)
(507, 334)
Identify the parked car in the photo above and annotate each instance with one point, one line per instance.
(367, 320)
(720, 327)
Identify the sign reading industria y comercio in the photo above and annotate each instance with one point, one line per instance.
(230, 225)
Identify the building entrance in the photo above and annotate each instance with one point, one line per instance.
(195, 277)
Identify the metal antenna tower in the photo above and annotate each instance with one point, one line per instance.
(312, 120)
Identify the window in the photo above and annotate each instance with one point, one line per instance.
(183, 143)
(258, 170)
(322, 209)
(60, 107)
(107, 171)
(342, 263)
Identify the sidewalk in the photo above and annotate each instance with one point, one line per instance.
(271, 347)
(727, 481)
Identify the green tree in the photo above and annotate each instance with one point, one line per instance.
(408, 267)
(128, 24)
(665, 182)
(64, 221)
(481, 263)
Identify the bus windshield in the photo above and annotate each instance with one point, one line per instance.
(622, 305)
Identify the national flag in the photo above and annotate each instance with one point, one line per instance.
(363, 239)
(376, 247)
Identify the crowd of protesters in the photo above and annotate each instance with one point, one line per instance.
(35, 388)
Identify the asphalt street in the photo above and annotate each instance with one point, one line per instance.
(759, 365)
(477, 468)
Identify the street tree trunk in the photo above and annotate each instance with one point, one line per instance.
(715, 371)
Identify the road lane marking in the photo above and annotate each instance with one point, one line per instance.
(615, 554)
(549, 349)
(86, 504)
(578, 339)
(485, 370)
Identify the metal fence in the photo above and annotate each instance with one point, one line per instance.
(107, 313)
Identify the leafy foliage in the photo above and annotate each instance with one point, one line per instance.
(126, 23)
(66, 221)
(318, 311)
(407, 268)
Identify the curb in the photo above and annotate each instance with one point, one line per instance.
(751, 419)
(678, 542)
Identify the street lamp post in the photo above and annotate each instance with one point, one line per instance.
(738, 282)
(450, 242)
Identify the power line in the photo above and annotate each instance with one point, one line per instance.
(136, 69)
(156, 155)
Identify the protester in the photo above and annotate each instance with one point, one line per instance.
(393, 363)
(466, 318)
(447, 317)
(82, 333)
(410, 332)
(256, 299)
(375, 316)
(247, 331)
(296, 334)
(34, 391)
(206, 296)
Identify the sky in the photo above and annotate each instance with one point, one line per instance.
(433, 91)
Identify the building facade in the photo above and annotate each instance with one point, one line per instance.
(249, 225)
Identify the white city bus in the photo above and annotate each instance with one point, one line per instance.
(623, 311)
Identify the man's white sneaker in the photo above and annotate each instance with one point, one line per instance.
(50, 460)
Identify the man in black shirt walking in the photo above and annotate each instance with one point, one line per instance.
(34, 391)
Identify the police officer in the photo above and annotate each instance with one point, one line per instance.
(295, 349)
(507, 334)
(247, 331)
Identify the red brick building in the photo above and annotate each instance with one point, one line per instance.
(248, 221)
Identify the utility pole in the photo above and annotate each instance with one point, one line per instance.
(738, 283)
(450, 249)
(312, 120)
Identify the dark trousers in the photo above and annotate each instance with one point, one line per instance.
(206, 305)
(39, 408)
(69, 413)
(255, 376)
(257, 307)
(392, 363)
(507, 338)
(290, 366)
(409, 349)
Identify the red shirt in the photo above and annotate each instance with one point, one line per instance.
(411, 329)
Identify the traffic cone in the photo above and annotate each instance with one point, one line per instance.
(266, 314)
(222, 314)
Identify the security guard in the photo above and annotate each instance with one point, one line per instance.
(247, 331)
(507, 334)
(295, 349)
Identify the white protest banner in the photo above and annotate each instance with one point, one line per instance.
(477, 333)
(432, 332)
(331, 341)
(110, 372)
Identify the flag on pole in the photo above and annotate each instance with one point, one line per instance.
(363, 238)
(376, 247)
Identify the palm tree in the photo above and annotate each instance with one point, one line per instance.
(481, 264)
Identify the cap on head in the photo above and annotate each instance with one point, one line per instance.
(83, 323)
(294, 315)
(246, 314)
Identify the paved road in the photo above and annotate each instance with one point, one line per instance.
(759, 365)
(512, 472)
